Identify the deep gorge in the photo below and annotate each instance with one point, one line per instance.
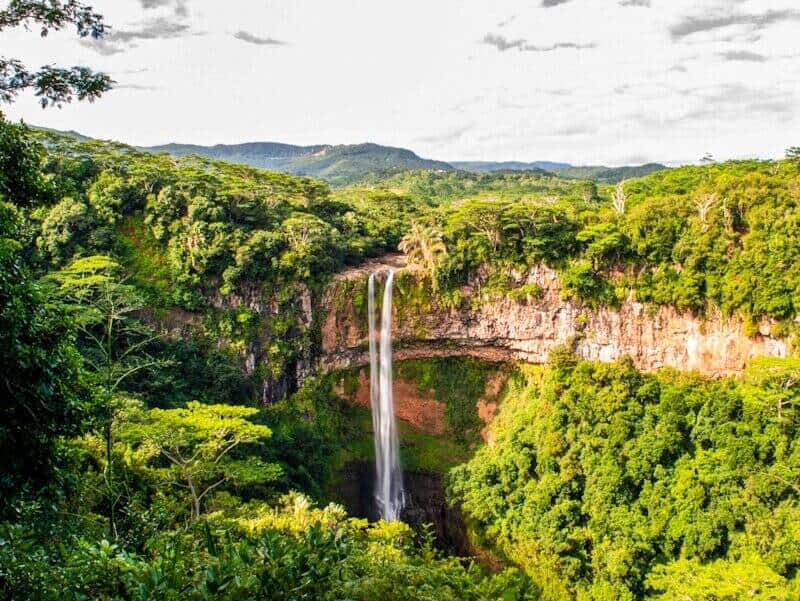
(495, 335)
(496, 332)
(444, 407)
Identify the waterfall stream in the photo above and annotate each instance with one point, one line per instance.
(389, 481)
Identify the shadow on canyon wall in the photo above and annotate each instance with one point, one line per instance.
(425, 504)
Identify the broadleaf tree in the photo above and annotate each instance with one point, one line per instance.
(52, 85)
(197, 444)
(112, 340)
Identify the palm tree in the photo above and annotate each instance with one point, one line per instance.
(424, 247)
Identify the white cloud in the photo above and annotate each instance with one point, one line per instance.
(251, 38)
(661, 82)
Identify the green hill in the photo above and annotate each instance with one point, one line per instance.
(340, 164)
(597, 173)
(267, 155)
(345, 164)
(609, 174)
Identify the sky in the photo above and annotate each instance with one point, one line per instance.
(582, 81)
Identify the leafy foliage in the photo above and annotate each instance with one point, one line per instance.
(53, 85)
(613, 484)
(198, 443)
(218, 225)
(42, 385)
(21, 180)
(601, 483)
(424, 247)
(720, 580)
(294, 551)
(719, 235)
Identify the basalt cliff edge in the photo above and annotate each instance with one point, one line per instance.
(528, 329)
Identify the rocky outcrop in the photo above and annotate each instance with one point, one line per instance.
(419, 408)
(274, 384)
(529, 329)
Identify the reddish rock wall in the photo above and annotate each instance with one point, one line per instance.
(420, 409)
(529, 329)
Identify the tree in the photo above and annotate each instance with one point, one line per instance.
(312, 245)
(618, 200)
(721, 580)
(793, 154)
(538, 232)
(53, 85)
(112, 340)
(604, 242)
(424, 247)
(703, 204)
(198, 443)
(774, 383)
(63, 228)
(478, 219)
(40, 371)
(588, 191)
(21, 180)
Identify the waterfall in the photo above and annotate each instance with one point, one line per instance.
(389, 481)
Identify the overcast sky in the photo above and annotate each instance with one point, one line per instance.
(582, 81)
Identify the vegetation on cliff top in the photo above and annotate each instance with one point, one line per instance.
(146, 302)
(720, 235)
(692, 237)
(114, 487)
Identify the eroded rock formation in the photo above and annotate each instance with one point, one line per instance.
(528, 329)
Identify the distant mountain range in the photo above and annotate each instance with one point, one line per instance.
(608, 174)
(349, 163)
(483, 166)
(346, 164)
(597, 173)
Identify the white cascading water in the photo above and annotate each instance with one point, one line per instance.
(389, 482)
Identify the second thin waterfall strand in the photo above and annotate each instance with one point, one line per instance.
(389, 481)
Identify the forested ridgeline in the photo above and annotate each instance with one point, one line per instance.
(715, 235)
(718, 235)
(136, 464)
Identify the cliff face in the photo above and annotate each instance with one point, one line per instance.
(425, 503)
(419, 407)
(275, 383)
(528, 329)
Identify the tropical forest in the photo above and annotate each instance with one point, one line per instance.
(345, 372)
